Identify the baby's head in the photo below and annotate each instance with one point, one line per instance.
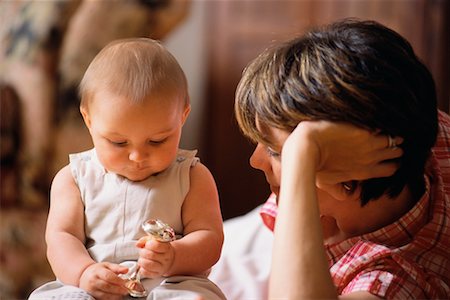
(134, 69)
(134, 101)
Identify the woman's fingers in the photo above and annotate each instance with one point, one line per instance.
(383, 141)
(386, 148)
(383, 155)
(345, 152)
(384, 169)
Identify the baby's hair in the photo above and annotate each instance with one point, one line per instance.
(135, 69)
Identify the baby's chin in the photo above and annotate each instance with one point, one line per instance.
(136, 176)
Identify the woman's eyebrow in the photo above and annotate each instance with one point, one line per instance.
(267, 139)
(265, 135)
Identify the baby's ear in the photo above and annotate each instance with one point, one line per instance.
(186, 112)
(87, 120)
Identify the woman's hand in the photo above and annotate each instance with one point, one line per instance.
(155, 258)
(346, 152)
(318, 154)
(101, 280)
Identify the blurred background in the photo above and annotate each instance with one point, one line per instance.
(45, 47)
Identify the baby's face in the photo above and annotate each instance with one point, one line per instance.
(135, 140)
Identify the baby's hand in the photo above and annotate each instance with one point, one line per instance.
(101, 280)
(155, 258)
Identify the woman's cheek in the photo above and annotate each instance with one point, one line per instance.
(276, 167)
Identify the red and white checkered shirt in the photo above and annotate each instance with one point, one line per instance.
(408, 259)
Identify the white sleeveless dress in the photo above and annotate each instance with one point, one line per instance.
(115, 208)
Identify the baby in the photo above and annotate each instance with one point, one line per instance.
(134, 101)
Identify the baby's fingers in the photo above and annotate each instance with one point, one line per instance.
(103, 282)
(116, 268)
(157, 247)
(143, 240)
(150, 268)
(110, 282)
(112, 287)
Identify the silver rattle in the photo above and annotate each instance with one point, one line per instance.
(159, 231)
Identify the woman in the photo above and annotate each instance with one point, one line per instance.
(359, 214)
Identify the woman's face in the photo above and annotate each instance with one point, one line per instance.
(267, 158)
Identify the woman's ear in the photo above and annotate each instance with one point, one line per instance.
(345, 191)
(352, 189)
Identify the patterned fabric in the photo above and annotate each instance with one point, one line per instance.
(33, 27)
(269, 212)
(408, 259)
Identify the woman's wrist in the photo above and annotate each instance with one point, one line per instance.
(300, 153)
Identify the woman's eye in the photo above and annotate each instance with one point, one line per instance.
(272, 153)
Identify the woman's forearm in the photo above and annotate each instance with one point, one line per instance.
(299, 265)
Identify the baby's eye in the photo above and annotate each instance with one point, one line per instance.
(272, 153)
(118, 143)
(157, 142)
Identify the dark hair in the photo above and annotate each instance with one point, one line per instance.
(359, 72)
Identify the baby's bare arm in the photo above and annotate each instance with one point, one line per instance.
(201, 245)
(65, 236)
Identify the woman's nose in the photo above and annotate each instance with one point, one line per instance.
(257, 159)
(138, 155)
